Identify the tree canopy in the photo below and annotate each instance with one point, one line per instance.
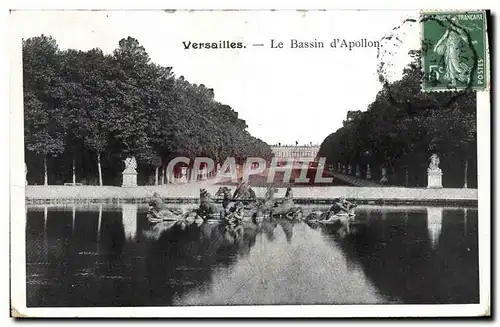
(403, 127)
(88, 104)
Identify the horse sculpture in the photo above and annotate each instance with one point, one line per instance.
(225, 192)
(288, 208)
(263, 207)
(207, 206)
(244, 191)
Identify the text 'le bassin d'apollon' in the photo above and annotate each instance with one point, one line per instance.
(335, 43)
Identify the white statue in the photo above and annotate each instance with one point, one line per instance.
(130, 173)
(434, 173)
(434, 165)
(368, 172)
(183, 175)
(384, 179)
(130, 163)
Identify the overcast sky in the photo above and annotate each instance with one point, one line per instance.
(285, 95)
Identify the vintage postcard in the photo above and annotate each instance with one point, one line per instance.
(250, 163)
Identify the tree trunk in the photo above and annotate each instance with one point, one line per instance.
(45, 172)
(99, 168)
(156, 175)
(74, 174)
(465, 172)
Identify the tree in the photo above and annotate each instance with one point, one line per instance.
(88, 105)
(43, 128)
(403, 125)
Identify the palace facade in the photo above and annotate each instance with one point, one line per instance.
(286, 151)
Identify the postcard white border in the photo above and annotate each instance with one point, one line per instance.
(17, 229)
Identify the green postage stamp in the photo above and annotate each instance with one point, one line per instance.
(454, 50)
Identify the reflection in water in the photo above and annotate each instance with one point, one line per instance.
(434, 224)
(111, 256)
(129, 212)
(99, 223)
(425, 258)
(302, 269)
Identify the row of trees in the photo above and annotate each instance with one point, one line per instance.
(86, 111)
(401, 129)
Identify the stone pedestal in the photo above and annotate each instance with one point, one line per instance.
(434, 178)
(129, 178)
(204, 173)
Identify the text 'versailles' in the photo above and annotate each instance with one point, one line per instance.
(222, 44)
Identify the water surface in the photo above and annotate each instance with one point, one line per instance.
(102, 255)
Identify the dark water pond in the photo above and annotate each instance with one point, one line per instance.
(112, 256)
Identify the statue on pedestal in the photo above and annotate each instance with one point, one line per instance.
(384, 179)
(130, 173)
(358, 171)
(434, 173)
(344, 170)
(339, 167)
(183, 176)
(368, 172)
(349, 171)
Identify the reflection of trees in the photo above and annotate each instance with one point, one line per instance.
(457, 256)
(402, 125)
(83, 268)
(397, 255)
(36, 253)
(92, 264)
(184, 257)
(112, 236)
